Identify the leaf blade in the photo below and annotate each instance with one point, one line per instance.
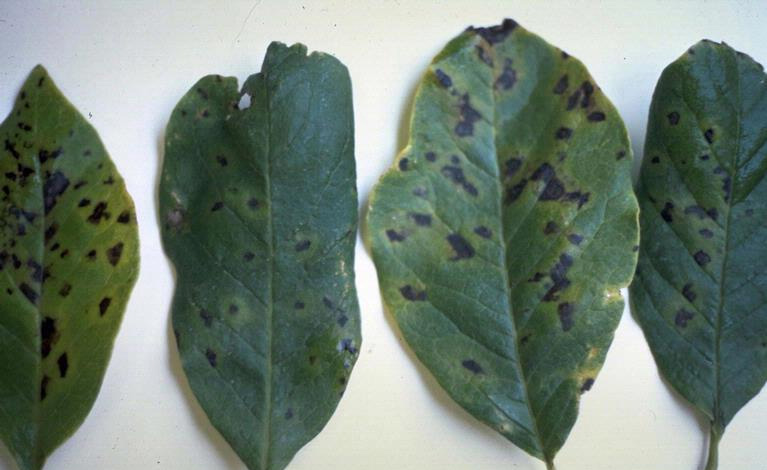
(702, 256)
(501, 163)
(276, 330)
(70, 257)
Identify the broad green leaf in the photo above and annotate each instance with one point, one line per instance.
(505, 229)
(259, 214)
(699, 287)
(69, 258)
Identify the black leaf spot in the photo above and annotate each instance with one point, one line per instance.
(218, 205)
(443, 78)
(303, 245)
(702, 258)
(48, 336)
(472, 366)
(114, 253)
(682, 317)
(561, 85)
(565, 311)
(596, 116)
(563, 133)
(124, 217)
(709, 135)
(403, 164)
(422, 220)
(469, 116)
(99, 212)
(211, 356)
(666, 212)
(688, 293)
(411, 294)
(207, 317)
(551, 227)
(507, 78)
(673, 118)
(104, 305)
(587, 384)
(575, 239)
(54, 186)
(483, 231)
(395, 236)
(63, 363)
(460, 246)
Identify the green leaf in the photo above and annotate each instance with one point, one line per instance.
(699, 288)
(505, 229)
(69, 258)
(259, 214)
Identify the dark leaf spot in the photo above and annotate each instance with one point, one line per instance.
(460, 246)
(91, 255)
(253, 203)
(207, 317)
(124, 217)
(54, 186)
(483, 231)
(99, 212)
(248, 256)
(561, 85)
(84, 202)
(472, 366)
(563, 133)
(666, 212)
(559, 278)
(512, 166)
(682, 317)
(222, 160)
(403, 164)
(709, 135)
(289, 414)
(114, 253)
(456, 175)
(596, 116)
(430, 156)
(575, 239)
(587, 384)
(513, 193)
(65, 289)
(469, 116)
(63, 363)
(551, 227)
(303, 245)
(395, 236)
(701, 257)
(411, 294)
(299, 305)
(211, 356)
(44, 387)
(673, 118)
(496, 34)
(565, 311)
(104, 305)
(507, 78)
(688, 293)
(572, 100)
(28, 292)
(233, 309)
(218, 205)
(48, 336)
(443, 78)
(422, 220)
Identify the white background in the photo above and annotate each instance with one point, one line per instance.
(124, 65)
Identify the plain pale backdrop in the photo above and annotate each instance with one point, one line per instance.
(124, 65)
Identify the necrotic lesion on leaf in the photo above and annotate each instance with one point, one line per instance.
(504, 230)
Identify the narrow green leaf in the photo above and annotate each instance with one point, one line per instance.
(259, 214)
(698, 293)
(69, 258)
(505, 229)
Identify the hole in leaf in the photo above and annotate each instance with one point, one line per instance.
(244, 101)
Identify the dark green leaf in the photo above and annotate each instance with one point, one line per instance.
(69, 258)
(505, 229)
(259, 215)
(699, 289)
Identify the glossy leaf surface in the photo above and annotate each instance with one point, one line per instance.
(505, 229)
(699, 292)
(69, 258)
(259, 213)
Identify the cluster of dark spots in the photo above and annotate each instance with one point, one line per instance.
(289, 413)
(49, 335)
(558, 275)
(563, 133)
(395, 236)
(207, 317)
(37, 270)
(210, 355)
(222, 160)
(99, 212)
(561, 85)
(513, 193)
(483, 231)
(554, 188)
(114, 253)
(422, 220)
(709, 135)
(403, 164)
(620, 155)
(512, 165)
(496, 34)
(565, 311)
(299, 305)
(507, 78)
(551, 227)
(456, 175)
(44, 155)
(682, 317)
(460, 246)
(673, 118)
(469, 116)
(472, 366)
(430, 156)
(11, 148)
(248, 256)
(65, 289)
(688, 293)
(44, 387)
(218, 205)
(28, 292)
(411, 294)
(575, 239)
(84, 202)
(10, 175)
(203, 94)
(587, 384)
(701, 257)
(596, 116)
(124, 217)
(24, 126)
(665, 213)
(91, 255)
(104, 305)
(706, 233)
(303, 245)
(347, 345)
(443, 78)
(253, 203)
(483, 55)
(54, 186)
(233, 309)
(63, 363)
